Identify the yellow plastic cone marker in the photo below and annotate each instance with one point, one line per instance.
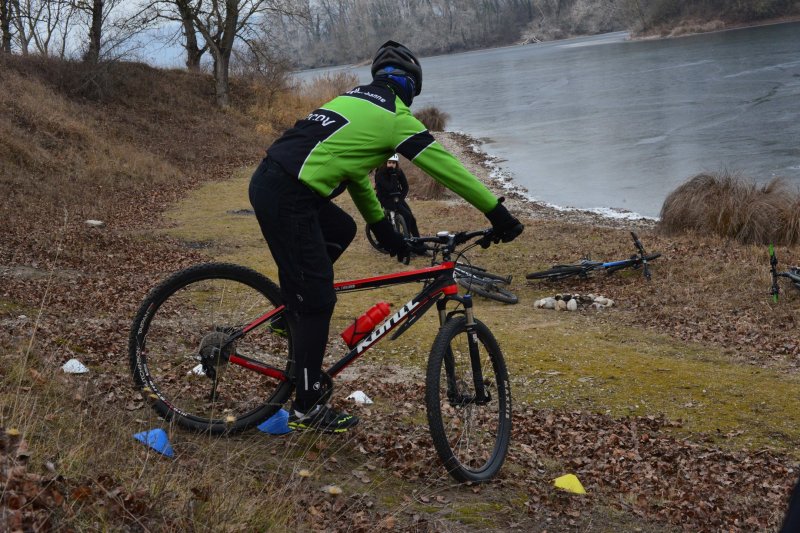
(569, 483)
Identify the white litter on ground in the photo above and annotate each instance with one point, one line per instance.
(359, 397)
(73, 366)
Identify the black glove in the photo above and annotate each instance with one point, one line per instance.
(390, 240)
(506, 227)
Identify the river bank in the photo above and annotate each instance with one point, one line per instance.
(519, 199)
(692, 26)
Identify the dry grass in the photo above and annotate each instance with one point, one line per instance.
(421, 184)
(729, 206)
(274, 112)
(433, 118)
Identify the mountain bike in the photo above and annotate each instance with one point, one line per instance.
(398, 223)
(205, 350)
(583, 268)
(793, 274)
(483, 283)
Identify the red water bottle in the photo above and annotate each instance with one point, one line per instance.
(363, 325)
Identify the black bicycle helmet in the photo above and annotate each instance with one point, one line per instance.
(392, 54)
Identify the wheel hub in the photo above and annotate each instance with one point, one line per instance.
(214, 352)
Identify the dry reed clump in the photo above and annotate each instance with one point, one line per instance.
(433, 118)
(728, 206)
(422, 185)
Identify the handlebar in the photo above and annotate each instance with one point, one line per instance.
(445, 242)
(642, 256)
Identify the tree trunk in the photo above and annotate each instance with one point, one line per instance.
(193, 52)
(5, 26)
(95, 32)
(222, 86)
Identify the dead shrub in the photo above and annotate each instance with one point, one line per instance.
(731, 207)
(276, 112)
(433, 118)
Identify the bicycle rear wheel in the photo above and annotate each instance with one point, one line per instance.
(179, 349)
(558, 272)
(488, 288)
(470, 436)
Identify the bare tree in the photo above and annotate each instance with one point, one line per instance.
(194, 52)
(111, 26)
(97, 12)
(183, 12)
(221, 22)
(43, 23)
(5, 26)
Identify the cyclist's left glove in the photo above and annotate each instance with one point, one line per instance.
(390, 240)
(506, 227)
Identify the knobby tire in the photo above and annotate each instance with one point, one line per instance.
(191, 313)
(472, 440)
(487, 288)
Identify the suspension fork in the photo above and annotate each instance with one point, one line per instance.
(481, 397)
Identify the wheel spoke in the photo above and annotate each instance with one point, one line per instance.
(189, 320)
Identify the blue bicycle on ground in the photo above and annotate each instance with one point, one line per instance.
(583, 268)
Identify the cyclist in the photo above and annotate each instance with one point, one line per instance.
(391, 187)
(328, 151)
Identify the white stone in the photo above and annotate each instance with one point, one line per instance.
(73, 366)
(95, 223)
(561, 305)
(609, 302)
(538, 304)
(359, 397)
(572, 305)
(549, 303)
(601, 300)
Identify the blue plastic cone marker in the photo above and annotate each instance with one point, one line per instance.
(569, 483)
(277, 424)
(156, 439)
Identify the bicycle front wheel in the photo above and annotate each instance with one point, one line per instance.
(373, 240)
(400, 225)
(179, 349)
(471, 434)
(487, 288)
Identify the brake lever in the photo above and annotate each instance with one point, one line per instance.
(486, 241)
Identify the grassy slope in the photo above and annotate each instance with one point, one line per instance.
(77, 289)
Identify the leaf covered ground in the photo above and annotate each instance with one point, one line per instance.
(676, 409)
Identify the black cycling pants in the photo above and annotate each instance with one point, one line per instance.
(306, 234)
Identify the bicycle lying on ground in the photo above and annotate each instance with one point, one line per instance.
(583, 268)
(478, 281)
(203, 351)
(397, 220)
(793, 274)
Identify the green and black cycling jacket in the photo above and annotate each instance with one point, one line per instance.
(355, 132)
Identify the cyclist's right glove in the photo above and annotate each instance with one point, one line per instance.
(506, 227)
(390, 240)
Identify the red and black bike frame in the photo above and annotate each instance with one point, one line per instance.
(439, 288)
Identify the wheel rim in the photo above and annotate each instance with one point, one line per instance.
(182, 352)
(473, 432)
